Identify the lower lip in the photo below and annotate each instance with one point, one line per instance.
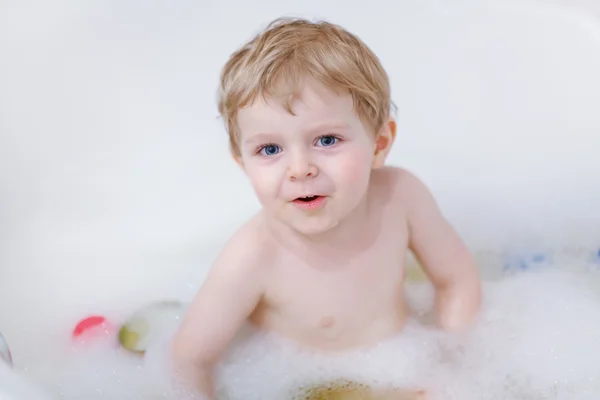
(310, 205)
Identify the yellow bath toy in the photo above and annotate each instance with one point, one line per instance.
(348, 390)
(140, 329)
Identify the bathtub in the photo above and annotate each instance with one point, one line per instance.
(117, 189)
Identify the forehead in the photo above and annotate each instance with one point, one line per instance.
(313, 105)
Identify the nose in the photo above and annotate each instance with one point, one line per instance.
(301, 167)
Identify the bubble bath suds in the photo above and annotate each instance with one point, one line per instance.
(537, 338)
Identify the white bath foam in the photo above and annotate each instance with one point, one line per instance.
(537, 338)
(262, 366)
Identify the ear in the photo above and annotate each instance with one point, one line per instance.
(383, 143)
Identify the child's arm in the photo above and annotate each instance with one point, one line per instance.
(227, 297)
(443, 256)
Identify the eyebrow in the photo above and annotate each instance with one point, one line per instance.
(263, 137)
(336, 125)
(260, 138)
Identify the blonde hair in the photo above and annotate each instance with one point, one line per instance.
(275, 61)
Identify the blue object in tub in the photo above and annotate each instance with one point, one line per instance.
(596, 257)
(524, 262)
(594, 260)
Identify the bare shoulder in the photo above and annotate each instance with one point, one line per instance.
(400, 185)
(248, 251)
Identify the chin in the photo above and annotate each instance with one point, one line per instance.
(311, 228)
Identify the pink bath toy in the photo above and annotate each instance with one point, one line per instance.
(96, 325)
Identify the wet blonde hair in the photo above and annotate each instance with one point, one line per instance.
(276, 61)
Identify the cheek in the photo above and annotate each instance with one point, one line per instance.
(264, 180)
(354, 168)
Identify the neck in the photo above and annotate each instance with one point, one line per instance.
(352, 235)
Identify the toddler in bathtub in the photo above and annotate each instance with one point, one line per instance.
(308, 111)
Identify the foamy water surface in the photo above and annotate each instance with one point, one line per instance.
(537, 338)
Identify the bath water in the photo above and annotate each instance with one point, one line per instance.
(537, 338)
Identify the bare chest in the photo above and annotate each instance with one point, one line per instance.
(339, 301)
(361, 285)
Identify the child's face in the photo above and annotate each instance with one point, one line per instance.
(323, 150)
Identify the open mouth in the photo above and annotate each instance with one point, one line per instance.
(310, 202)
(307, 199)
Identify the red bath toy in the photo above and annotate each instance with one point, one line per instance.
(94, 323)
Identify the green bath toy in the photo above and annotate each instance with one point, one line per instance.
(140, 330)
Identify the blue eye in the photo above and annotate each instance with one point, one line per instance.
(270, 150)
(327, 140)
